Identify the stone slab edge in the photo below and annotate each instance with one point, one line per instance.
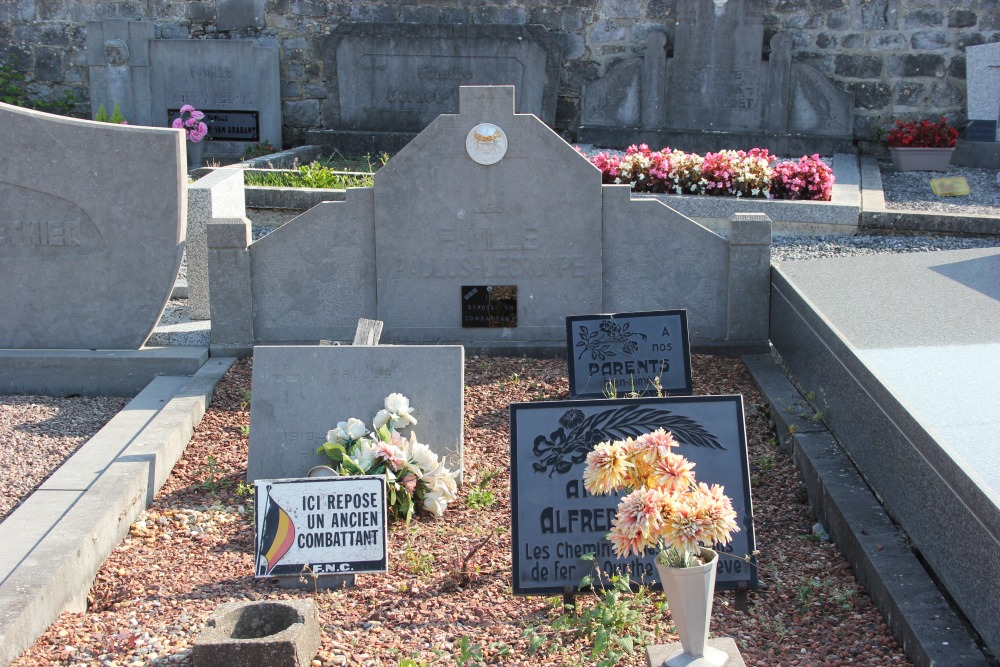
(875, 215)
(85, 533)
(93, 372)
(919, 616)
(658, 653)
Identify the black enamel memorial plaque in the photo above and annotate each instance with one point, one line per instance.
(228, 125)
(489, 306)
(626, 353)
(333, 525)
(554, 521)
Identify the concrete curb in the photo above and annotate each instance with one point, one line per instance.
(57, 539)
(875, 215)
(917, 612)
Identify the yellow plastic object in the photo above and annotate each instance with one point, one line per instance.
(956, 186)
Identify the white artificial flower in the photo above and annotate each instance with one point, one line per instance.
(364, 454)
(347, 432)
(435, 503)
(421, 456)
(397, 413)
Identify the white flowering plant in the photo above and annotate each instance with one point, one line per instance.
(416, 479)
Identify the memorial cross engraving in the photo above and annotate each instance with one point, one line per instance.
(555, 521)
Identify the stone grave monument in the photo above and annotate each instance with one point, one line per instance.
(92, 229)
(980, 147)
(235, 82)
(489, 230)
(391, 79)
(716, 91)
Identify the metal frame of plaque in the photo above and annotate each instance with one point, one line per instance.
(631, 350)
(489, 306)
(554, 521)
(218, 124)
(323, 525)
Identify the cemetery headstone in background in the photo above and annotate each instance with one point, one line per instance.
(717, 91)
(235, 82)
(555, 521)
(393, 78)
(301, 392)
(89, 250)
(626, 353)
(982, 75)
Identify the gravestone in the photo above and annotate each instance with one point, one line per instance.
(301, 392)
(554, 521)
(394, 78)
(488, 229)
(628, 353)
(118, 64)
(982, 77)
(716, 91)
(235, 83)
(89, 251)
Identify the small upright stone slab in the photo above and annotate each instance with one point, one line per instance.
(301, 392)
(368, 332)
(983, 91)
(88, 255)
(621, 354)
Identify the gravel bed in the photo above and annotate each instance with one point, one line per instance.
(192, 551)
(911, 191)
(788, 248)
(39, 432)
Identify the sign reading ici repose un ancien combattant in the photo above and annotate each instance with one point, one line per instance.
(330, 525)
(628, 353)
(555, 522)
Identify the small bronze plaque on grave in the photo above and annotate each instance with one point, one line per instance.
(489, 306)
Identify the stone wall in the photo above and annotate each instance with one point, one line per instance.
(901, 58)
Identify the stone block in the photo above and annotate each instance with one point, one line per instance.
(658, 654)
(858, 67)
(231, 309)
(488, 225)
(983, 81)
(314, 276)
(240, 14)
(301, 392)
(419, 67)
(749, 278)
(235, 82)
(961, 18)
(74, 240)
(218, 195)
(276, 634)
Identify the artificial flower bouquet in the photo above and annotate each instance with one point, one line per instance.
(665, 508)
(922, 134)
(753, 173)
(192, 122)
(415, 477)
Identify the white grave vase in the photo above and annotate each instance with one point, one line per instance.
(689, 592)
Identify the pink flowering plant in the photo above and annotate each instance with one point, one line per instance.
(415, 477)
(664, 508)
(192, 122)
(754, 173)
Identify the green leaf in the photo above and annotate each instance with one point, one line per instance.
(627, 643)
(534, 643)
(586, 581)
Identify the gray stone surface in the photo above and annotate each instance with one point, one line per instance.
(902, 353)
(277, 634)
(399, 77)
(88, 254)
(749, 278)
(301, 392)
(216, 75)
(56, 541)
(657, 654)
(229, 272)
(716, 81)
(637, 281)
(878, 551)
(220, 194)
(239, 14)
(93, 372)
(532, 220)
(982, 75)
(368, 332)
(118, 65)
(313, 277)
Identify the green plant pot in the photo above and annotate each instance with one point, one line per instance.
(921, 159)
